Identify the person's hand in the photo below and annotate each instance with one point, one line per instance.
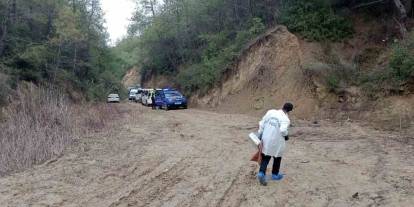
(260, 136)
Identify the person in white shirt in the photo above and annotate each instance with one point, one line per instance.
(273, 130)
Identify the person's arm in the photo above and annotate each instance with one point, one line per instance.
(284, 126)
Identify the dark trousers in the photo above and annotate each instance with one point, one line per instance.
(153, 103)
(265, 162)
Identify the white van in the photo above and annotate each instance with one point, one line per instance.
(138, 96)
(132, 94)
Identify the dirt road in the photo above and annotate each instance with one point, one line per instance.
(198, 158)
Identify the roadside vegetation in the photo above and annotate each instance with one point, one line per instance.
(397, 76)
(315, 20)
(41, 122)
(54, 62)
(60, 42)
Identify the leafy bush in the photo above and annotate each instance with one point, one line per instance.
(335, 74)
(402, 60)
(315, 20)
(391, 79)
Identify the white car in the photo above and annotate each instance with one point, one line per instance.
(132, 94)
(113, 98)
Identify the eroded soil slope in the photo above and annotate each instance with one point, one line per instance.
(197, 158)
(268, 72)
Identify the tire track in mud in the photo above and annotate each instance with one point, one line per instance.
(154, 188)
(234, 195)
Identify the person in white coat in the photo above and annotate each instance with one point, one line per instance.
(273, 130)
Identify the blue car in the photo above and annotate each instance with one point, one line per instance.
(169, 98)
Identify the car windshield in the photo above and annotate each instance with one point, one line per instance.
(172, 94)
(113, 96)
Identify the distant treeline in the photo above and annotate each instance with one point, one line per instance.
(59, 42)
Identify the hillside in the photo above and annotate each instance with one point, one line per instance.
(358, 65)
(279, 66)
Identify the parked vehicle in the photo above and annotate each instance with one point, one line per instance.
(138, 96)
(146, 97)
(132, 94)
(113, 98)
(169, 98)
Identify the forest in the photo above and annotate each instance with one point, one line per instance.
(62, 43)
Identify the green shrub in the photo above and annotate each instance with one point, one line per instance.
(315, 20)
(335, 75)
(332, 82)
(402, 61)
(390, 80)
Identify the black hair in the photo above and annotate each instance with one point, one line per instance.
(288, 107)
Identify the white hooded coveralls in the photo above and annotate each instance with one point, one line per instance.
(273, 128)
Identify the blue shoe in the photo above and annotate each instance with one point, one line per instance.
(277, 177)
(262, 178)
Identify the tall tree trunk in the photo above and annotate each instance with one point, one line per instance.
(12, 11)
(75, 59)
(236, 12)
(3, 34)
(4, 24)
(402, 17)
(74, 6)
(153, 7)
(50, 15)
(401, 10)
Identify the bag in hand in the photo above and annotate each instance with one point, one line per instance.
(257, 157)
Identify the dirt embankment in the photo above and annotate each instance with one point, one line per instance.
(274, 69)
(268, 73)
(159, 81)
(197, 158)
(131, 78)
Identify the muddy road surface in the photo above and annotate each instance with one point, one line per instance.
(198, 158)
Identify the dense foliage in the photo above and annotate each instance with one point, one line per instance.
(194, 41)
(402, 60)
(315, 20)
(62, 42)
(396, 77)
